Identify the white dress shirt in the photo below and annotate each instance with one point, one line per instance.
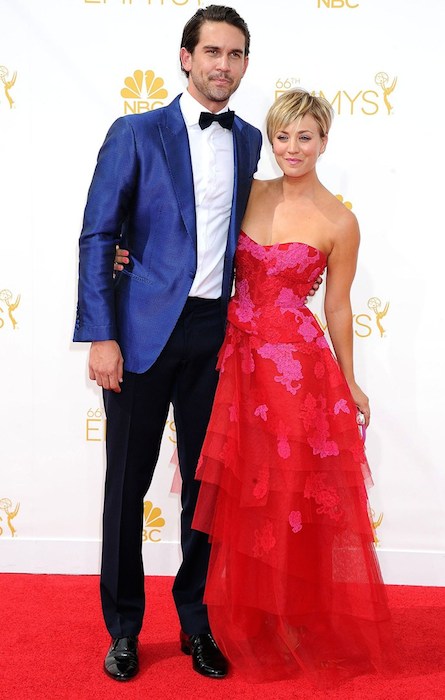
(211, 152)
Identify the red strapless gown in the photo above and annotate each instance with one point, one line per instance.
(293, 582)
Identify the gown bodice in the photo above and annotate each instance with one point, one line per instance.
(271, 286)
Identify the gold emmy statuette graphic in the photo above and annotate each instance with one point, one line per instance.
(382, 79)
(374, 303)
(375, 524)
(6, 505)
(6, 297)
(8, 83)
(153, 521)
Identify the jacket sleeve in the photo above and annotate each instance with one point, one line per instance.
(108, 202)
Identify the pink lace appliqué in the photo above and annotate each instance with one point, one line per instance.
(295, 256)
(261, 411)
(223, 454)
(262, 483)
(245, 310)
(287, 300)
(342, 406)
(295, 521)
(290, 368)
(247, 361)
(322, 446)
(282, 441)
(313, 414)
(308, 328)
(322, 343)
(325, 496)
(264, 540)
(257, 251)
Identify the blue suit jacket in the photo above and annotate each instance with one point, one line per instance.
(142, 197)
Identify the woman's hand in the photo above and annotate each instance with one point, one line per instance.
(315, 286)
(120, 259)
(361, 401)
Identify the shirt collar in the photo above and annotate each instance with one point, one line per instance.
(191, 108)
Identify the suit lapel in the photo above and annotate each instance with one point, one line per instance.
(241, 185)
(175, 141)
(242, 171)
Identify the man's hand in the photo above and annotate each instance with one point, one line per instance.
(106, 365)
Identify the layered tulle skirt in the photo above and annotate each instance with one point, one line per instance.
(294, 583)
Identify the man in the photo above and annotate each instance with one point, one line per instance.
(172, 188)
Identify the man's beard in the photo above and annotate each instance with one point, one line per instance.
(213, 92)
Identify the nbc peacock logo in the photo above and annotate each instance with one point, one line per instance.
(143, 92)
(153, 521)
(341, 199)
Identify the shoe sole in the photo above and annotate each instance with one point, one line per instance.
(121, 679)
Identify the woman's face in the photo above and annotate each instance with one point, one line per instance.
(297, 146)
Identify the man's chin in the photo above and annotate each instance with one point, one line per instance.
(220, 95)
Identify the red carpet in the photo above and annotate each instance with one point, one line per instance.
(53, 644)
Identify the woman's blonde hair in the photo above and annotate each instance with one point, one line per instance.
(294, 104)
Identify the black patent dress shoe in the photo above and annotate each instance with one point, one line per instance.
(121, 662)
(207, 658)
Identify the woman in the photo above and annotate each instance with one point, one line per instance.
(293, 582)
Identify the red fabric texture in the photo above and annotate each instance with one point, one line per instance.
(293, 583)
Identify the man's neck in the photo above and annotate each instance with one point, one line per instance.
(209, 105)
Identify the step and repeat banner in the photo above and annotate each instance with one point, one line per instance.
(67, 71)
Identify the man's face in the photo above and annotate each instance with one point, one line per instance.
(217, 64)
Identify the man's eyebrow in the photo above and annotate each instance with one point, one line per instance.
(218, 48)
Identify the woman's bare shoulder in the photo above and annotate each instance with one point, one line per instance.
(339, 213)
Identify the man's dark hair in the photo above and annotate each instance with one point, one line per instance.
(212, 13)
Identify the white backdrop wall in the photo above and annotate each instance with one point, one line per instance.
(67, 70)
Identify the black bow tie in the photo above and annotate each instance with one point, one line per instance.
(225, 119)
